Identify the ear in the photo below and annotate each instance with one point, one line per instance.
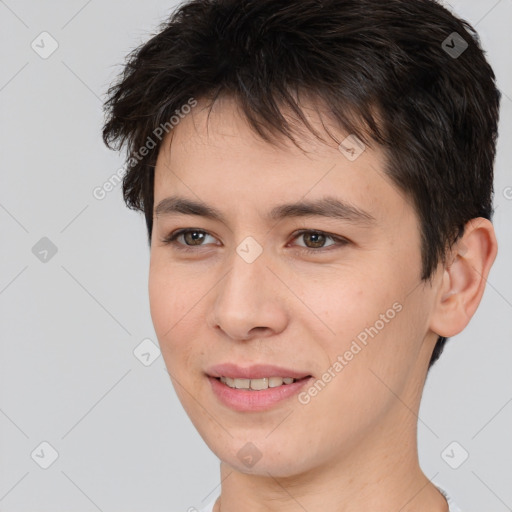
(464, 278)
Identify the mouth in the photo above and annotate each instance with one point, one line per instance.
(258, 384)
(255, 388)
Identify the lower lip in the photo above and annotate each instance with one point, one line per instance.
(244, 400)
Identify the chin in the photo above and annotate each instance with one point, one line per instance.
(254, 459)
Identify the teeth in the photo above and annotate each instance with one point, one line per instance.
(273, 382)
(242, 383)
(257, 384)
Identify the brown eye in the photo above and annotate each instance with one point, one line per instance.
(314, 240)
(193, 237)
(186, 238)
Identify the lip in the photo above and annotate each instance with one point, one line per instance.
(258, 371)
(244, 400)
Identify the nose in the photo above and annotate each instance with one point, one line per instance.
(250, 300)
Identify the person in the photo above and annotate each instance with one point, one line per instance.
(317, 181)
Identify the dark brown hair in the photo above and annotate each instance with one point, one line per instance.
(407, 75)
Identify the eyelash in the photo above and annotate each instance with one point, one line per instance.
(171, 239)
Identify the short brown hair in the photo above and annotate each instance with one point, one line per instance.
(412, 63)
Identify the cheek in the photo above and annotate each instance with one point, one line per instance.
(162, 301)
(172, 312)
(171, 300)
(366, 315)
(344, 302)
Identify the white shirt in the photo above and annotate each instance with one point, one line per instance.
(452, 506)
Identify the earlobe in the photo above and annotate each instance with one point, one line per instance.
(464, 278)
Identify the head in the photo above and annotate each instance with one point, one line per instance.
(241, 107)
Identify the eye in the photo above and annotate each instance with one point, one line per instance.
(192, 238)
(315, 240)
(188, 238)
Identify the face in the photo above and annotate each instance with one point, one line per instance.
(326, 290)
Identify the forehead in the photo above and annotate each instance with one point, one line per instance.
(224, 125)
(217, 157)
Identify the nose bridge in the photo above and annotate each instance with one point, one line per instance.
(245, 284)
(248, 296)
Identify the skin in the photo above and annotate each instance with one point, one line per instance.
(353, 446)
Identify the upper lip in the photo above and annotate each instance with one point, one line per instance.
(257, 371)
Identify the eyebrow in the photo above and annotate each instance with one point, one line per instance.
(328, 206)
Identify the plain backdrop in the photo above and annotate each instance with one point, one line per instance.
(87, 422)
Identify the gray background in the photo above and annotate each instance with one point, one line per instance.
(70, 324)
